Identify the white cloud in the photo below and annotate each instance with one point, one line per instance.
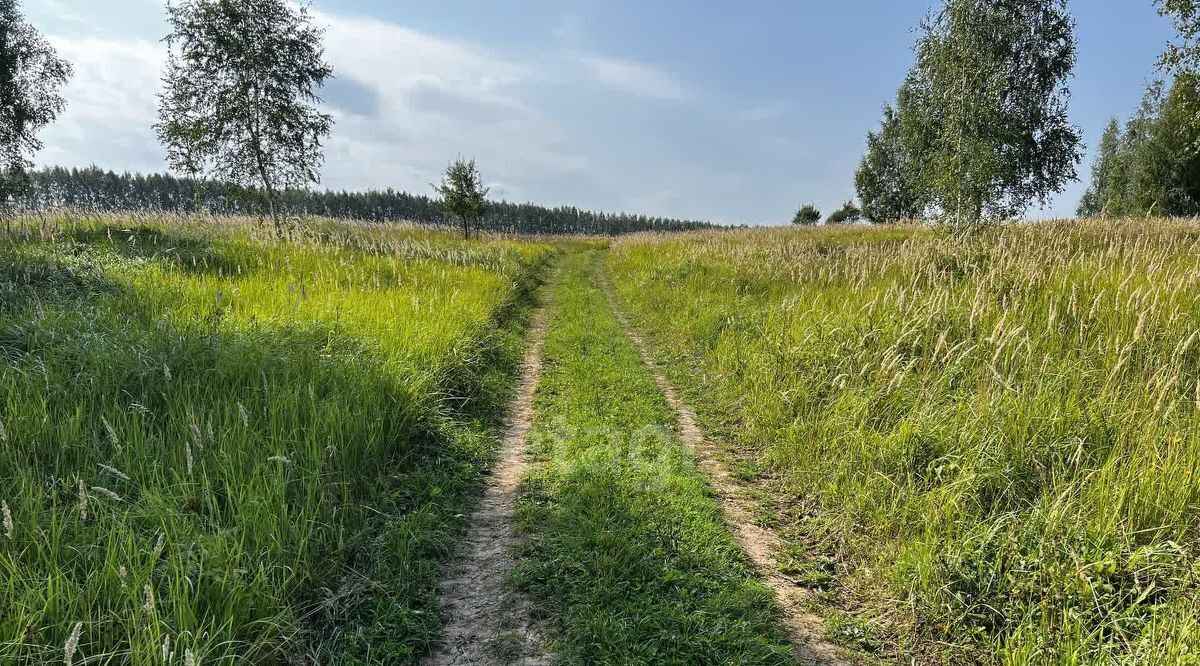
(437, 99)
(569, 28)
(634, 78)
(111, 105)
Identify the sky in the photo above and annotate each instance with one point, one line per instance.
(734, 112)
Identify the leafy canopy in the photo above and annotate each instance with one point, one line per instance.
(239, 102)
(849, 212)
(888, 177)
(31, 76)
(988, 95)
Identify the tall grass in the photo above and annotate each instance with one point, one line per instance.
(244, 450)
(997, 435)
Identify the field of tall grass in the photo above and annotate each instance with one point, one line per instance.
(223, 448)
(979, 446)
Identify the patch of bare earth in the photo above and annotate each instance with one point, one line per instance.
(760, 544)
(488, 622)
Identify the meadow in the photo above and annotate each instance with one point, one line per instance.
(980, 446)
(219, 447)
(222, 447)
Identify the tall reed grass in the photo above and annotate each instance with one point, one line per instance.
(224, 448)
(996, 436)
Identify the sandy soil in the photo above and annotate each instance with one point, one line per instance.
(488, 622)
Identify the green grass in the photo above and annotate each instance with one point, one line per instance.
(259, 450)
(625, 548)
(996, 437)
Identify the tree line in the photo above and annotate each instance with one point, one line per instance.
(95, 189)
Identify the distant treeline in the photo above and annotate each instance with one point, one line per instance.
(96, 189)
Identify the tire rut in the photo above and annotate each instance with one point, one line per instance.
(489, 622)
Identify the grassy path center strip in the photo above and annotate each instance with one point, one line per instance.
(625, 546)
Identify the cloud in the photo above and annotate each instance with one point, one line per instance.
(634, 78)
(351, 96)
(435, 99)
(569, 28)
(406, 102)
(111, 105)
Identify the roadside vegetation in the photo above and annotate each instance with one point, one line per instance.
(227, 446)
(979, 447)
(625, 549)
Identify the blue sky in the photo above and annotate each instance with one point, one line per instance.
(734, 112)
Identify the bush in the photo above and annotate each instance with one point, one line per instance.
(807, 215)
(848, 213)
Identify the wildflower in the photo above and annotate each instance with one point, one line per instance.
(72, 644)
(124, 573)
(8, 521)
(189, 659)
(114, 471)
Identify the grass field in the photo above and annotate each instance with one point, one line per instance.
(239, 449)
(981, 447)
(977, 448)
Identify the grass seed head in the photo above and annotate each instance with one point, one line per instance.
(72, 644)
(8, 520)
(114, 471)
(101, 490)
(109, 430)
(83, 501)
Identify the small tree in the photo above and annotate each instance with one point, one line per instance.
(31, 76)
(990, 84)
(239, 100)
(464, 198)
(808, 215)
(848, 213)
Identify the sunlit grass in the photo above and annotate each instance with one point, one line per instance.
(997, 434)
(246, 449)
